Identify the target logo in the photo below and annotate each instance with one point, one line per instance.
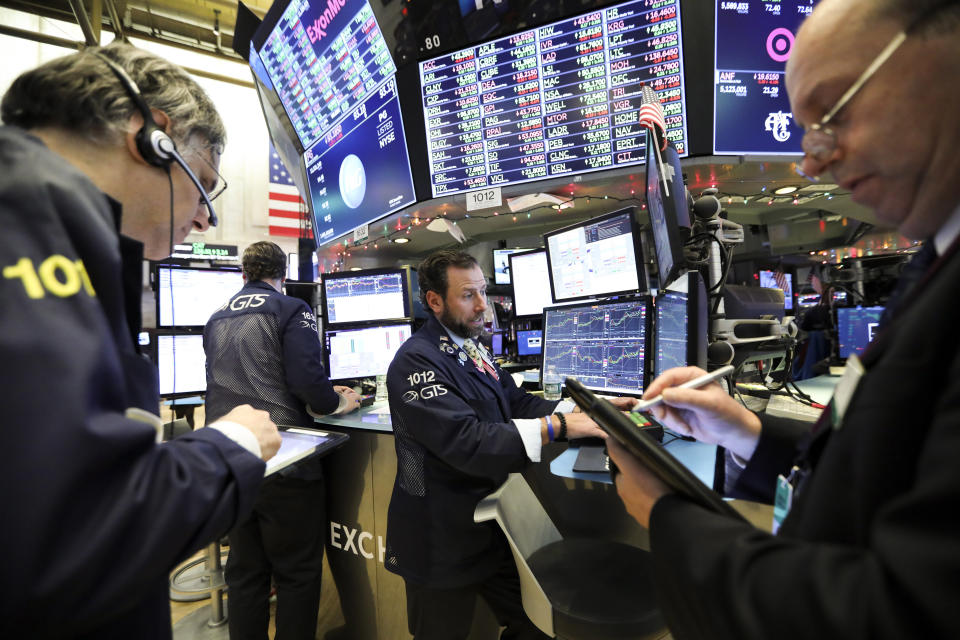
(780, 44)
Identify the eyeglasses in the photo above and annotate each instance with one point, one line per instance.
(820, 141)
(219, 183)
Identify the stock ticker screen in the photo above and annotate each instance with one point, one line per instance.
(555, 100)
(754, 39)
(671, 332)
(324, 59)
(364, 298)
(601, 345)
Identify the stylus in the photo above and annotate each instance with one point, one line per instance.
(644, 405)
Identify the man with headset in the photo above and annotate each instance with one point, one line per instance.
(98, 511)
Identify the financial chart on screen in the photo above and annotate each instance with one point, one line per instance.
(603, 346)
(324, 59)
(670, 332)
(363, 352)
(182, 364)
(188, 297)
(559, 99)
(365, 298)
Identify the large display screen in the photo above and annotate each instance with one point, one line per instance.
(359, 170)
(556, 100)
(363, 352)
(324, 59)
(379, 294)
(856, 328)
(601, 345)
(594, 258)
(182, 364)
(754, 39)
(187, 297)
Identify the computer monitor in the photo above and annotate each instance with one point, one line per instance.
(680, 325)
(501, 265)
(370, 295)
(188, 296)
(363, 352)
(595, 258)
(182, 364)
(530, 342)
(603, 344)
(783, 281)
(530, 281)
(666, 200)
(856, 327)
(496, 343)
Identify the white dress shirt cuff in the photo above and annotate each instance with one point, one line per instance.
(565, 406)
(239, 434)
(529, 429)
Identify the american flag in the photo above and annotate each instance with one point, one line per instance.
(284, 202)
(651, 114)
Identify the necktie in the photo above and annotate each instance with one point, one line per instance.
(910, 275)
(471, 348)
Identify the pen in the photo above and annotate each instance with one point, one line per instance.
(643, 405)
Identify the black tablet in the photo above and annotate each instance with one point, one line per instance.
(630, 434)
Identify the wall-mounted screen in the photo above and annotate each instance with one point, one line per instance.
(365, 296)
(779, 280)
(501, 265)
(182, 364)
(856, 328)
(602, 345)
(594, 258)
(754, 39)
(560, 99)
(363, 352)
(529, 343)
(188, 296)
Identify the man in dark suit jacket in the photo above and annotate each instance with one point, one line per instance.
(461, 426)
(870, 547)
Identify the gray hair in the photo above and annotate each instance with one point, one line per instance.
(80, 93)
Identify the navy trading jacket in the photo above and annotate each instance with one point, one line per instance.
(96, 511)
(455, 445)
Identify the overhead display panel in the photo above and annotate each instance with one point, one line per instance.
(754, 39)
(324, 59)
(557, 100)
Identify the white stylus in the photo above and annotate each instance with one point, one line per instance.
(643, 405)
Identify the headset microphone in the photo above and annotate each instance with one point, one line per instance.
(153, 143)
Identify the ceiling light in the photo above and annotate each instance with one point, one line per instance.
(401, 240)
(355, 269)
(782, 191)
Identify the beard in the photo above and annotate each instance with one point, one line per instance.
(458, 326)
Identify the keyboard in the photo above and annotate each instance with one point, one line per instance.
(782, 406)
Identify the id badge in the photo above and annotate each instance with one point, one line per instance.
(847, 386)
(782, 502)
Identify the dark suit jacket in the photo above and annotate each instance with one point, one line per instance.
(455, 445)
(871, 548)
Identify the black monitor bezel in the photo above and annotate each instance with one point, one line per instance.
(671, 224)
(637, 255)
(343, 275)
(648, 333)
(181, 267)
(356, 326)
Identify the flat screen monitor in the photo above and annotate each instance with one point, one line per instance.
(530, 280)
(501, 265)
(680, 326)
(365, 296)
(856, 327)
(182, 364)
(496, 343)
(188, 296)
(779, 280)
(529, 343)
(603, 345)
(363, 352)
(595, 258)
(666, 198)
(754, 39)
(555, 100)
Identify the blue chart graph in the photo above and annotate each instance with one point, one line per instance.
(364, 298)
(602, 345)
(671, 334)
(364, 285)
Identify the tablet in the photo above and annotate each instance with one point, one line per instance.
(297, 444)
(628, 433)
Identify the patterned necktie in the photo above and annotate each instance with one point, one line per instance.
(471, 348)
(910, 275)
